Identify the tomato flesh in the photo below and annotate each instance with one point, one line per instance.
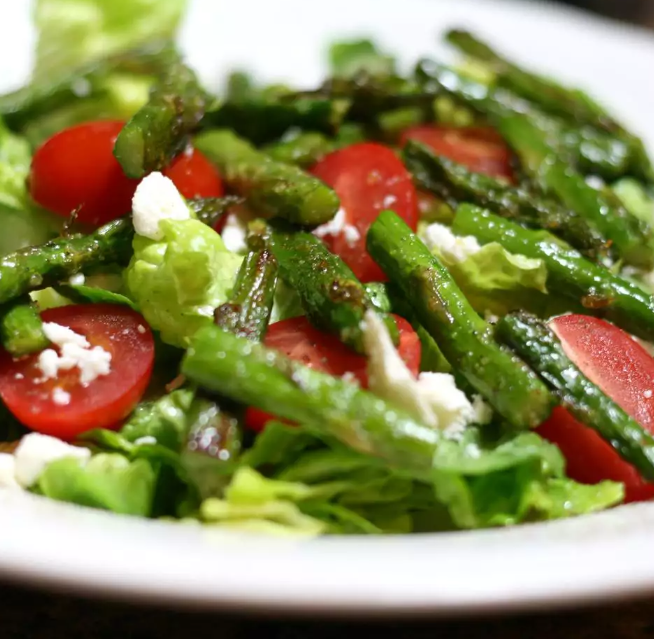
(367, 178)
(298, 339)
(76, 169)
(481, 149)
(105, 401)
(624, 370)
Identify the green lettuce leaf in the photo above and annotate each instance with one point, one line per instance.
(108, 481)
(515, 480)
(177, 282)
(75, 32)
(256, 503)
(23, 223)
(636, 199)
(352, 57)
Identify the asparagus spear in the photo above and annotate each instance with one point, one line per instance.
(255, 376)
(21, 329)
(211, 209)
(40, 266)
(332, 297)
(262, 120)
(548, 94)
(272, 188)
(465, 339)
(302, 150)
(454, 184)
(631, 237)
(540, 348)
(600, 292)
(596, 152)
(247, 312)
(42, 98)
(159, 130)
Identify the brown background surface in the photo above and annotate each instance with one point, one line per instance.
(32, 614)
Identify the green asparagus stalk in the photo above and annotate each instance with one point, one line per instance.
(303, 150)
(631, 237)
(593, 151)
(547, 94)
(262, 120)
(45, 265)
(21, 328)
(247, 312)
(455, 184)
(540, 348)
(332, 297)
(272, 189)
(210, 210)
(42, 98)
(465, 339)
(600, 292)
(160, 129)
(255, 376)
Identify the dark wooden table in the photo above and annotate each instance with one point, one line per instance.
(29, 614)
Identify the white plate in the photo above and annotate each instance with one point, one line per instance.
(606, 556)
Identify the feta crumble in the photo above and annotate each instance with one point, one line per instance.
(36, 451)
(156, 198)
(433, 397)
(75, 352)
(146, 439)
(77, 280)
(8, 471)
(60, 396)
(234, 233)
(453, 248)
(338, 226)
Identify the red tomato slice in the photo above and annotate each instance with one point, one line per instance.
(624, 370)
(76, 168)
(367, 178)
(194, 175)
(481, 149)
(298, 339)
(105, 401)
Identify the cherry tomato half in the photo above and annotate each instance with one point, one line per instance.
(481, 149)
(367, 178)
(298, 339)
(76, 168)
(105, 401)
(624, 370)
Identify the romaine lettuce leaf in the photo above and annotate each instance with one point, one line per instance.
(352, 57)
(23, 223)
(636, 199)
(178, 281)
(108, 481)
(74, 32)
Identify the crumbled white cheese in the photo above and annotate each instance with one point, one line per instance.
(146, 439)
(141, 329)
(156, 198)
(433, 397)
(60, 396)
(8, 471)
(453, 248)
(339, 226)
(75, 352)
(648, 393)
(491, 318)
(36, 451)
(234, 233)
(77, 280)
(388, 201)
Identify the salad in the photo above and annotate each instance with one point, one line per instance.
(398, 302)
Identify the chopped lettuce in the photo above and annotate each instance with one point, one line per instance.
(286, 303)
(636, 199)
(515, 480)
(178, 281)
(24, 224)
(75, 32)
(108, 481)
(352, 57)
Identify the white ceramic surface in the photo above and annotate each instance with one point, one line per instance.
(606, 556)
